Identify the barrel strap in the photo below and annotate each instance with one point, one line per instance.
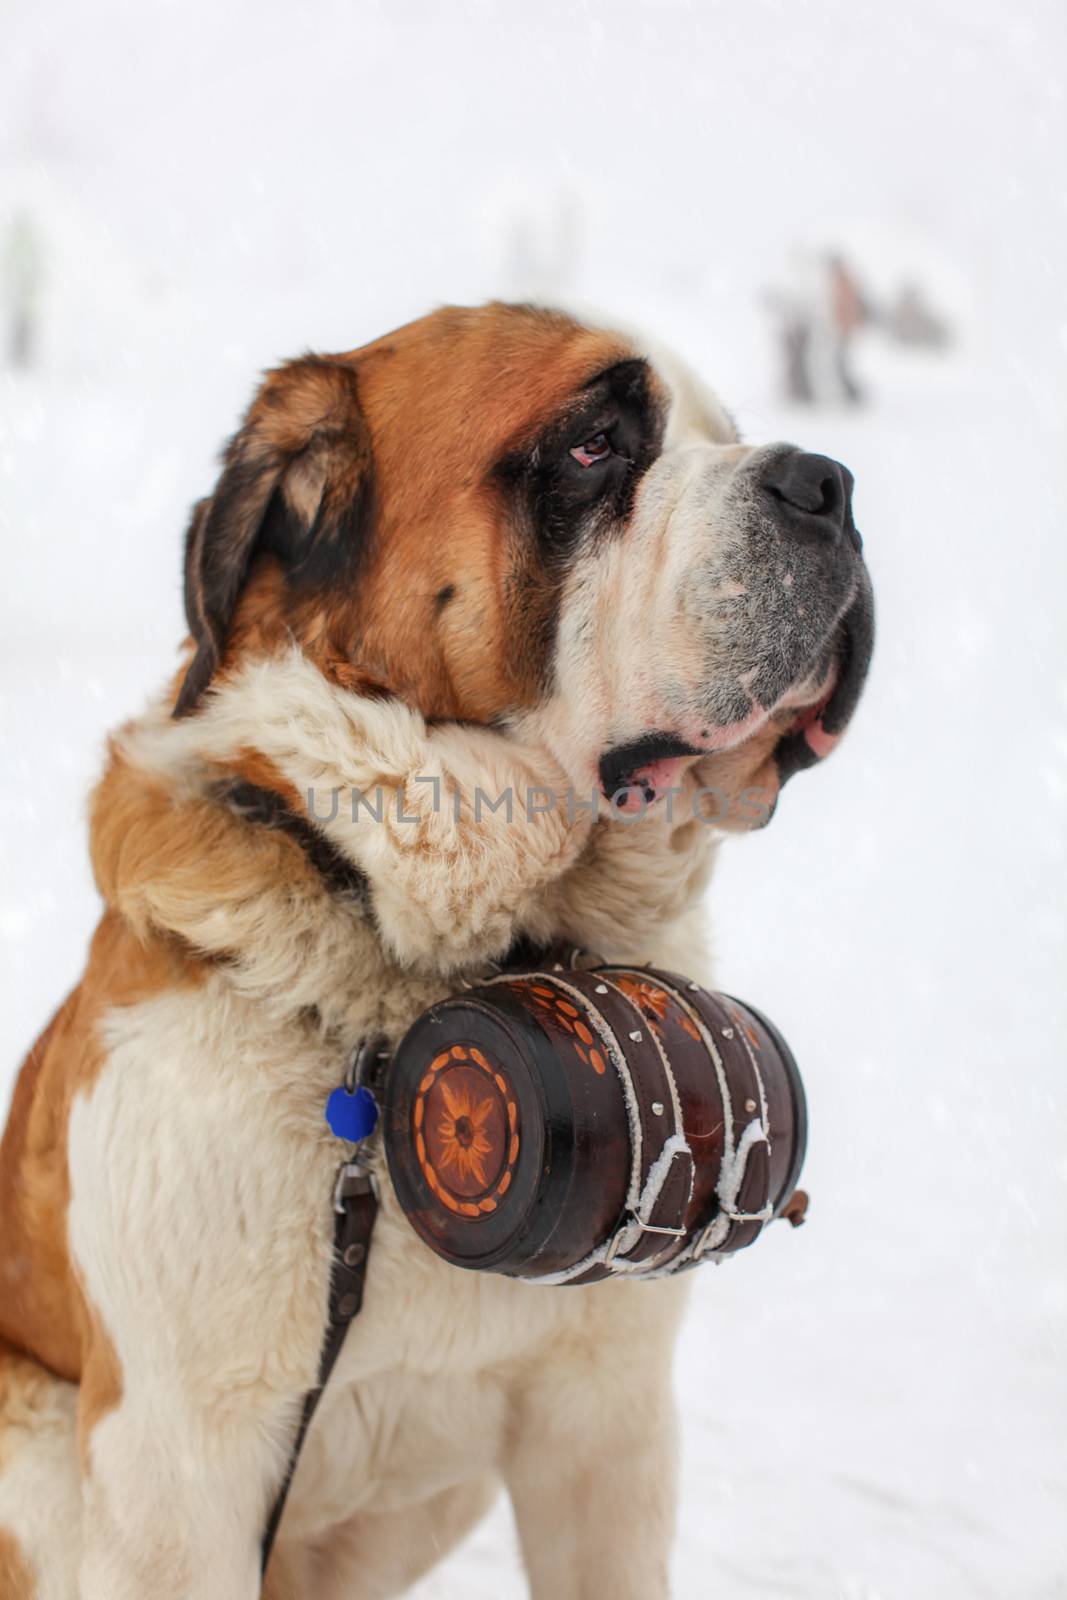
(661, 1212)
(654, 1222)
(743, 1197)
(743, 1192)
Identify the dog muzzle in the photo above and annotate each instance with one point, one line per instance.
(569, 1124)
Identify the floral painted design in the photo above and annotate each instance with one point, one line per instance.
(655, 1004)
(465, 1125)
(555, 1007)
(462, 1132)
(745, 1026)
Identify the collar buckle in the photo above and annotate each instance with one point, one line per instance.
(353, 1179)
(366, 1064)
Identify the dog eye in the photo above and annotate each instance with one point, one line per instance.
(597, 448)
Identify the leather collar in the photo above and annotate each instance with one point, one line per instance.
(267, 809)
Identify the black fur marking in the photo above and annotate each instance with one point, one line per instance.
(249, 515)
(557, 506)
(335, 548)
(443, 596)
(563, 499)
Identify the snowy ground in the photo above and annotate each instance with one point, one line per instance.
(874, 1408)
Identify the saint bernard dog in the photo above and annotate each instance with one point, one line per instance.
(496, 551)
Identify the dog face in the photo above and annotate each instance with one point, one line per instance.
(501, 516)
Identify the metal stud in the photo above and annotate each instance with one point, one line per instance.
(694, 986)
(727, 1033)
(354, 1254)
(347, 1305)
(750, 1106)
(601, 988)
(657, 1108)
(637, 1036)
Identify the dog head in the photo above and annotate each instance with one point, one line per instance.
(505, 517)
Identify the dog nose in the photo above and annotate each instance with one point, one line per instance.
(812, 496)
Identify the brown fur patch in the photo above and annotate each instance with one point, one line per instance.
(16, 1580)
(253, 767)
(100, 1389)
(445, 399)
(441, 401)
(159, 862)
(163, 861)
(42, 1309)
(134, 955)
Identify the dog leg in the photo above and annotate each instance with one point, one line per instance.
(40, 1494)
(592, 1471)
(204, 1257)
(379, 1554)
(174, 1505)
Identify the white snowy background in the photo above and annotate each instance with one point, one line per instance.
(873, 1408)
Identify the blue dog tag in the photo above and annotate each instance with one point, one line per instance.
(352, 1116)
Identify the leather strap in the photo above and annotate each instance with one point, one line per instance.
(662, 1167)
(263, 806)
(738, 1217)
(661, 1213)
(742, 1206)
(355, 1207)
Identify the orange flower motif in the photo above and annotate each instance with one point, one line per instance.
(648, 997)
(463, 1141)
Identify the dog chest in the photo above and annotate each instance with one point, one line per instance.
(394, 1441)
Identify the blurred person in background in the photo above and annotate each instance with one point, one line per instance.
(796, 334)
(819, 309)
(848, 312)
(911, 320)
(796, 307)
(22, 278)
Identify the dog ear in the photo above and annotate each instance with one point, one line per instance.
(296, 482)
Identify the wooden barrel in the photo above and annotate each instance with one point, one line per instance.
(571, 1124)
